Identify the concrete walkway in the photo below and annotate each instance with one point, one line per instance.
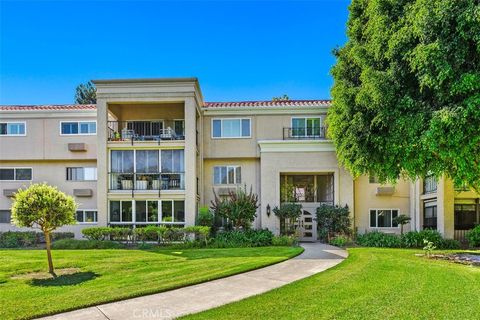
(175, 303)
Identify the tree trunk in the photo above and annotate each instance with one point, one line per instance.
(49, 255)
(401, 229)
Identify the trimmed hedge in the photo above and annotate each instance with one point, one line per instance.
(473, 237)
(412, 239)
(22, 239)
(246, 238)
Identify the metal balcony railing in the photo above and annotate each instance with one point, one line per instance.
(147, 181)
(141, 131)
(429, 184)
(302, 133)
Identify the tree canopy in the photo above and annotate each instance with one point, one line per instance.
(406, 94)
(86, 93)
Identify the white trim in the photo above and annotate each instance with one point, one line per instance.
(14, 135)
(221, 128)
(296, 146)
(15, 174)
(376, 218)
(77, 134)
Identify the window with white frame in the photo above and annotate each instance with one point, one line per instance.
(12, 129)
(227, 175)
(86, 216)
(15, 174)
(78, 127)
(383, 218)
(173, 211)
(81, 174)
(306, 126)
(147, 211)
(121, 211)
(231, 128)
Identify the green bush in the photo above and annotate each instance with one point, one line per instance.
(449, 244)
(174, 234)
(18, 239)
(379, 239)
(473, 237)
(339, 241)
(284, 241)
(74, 244)
(61, 235)
(414, 239)
(288, 213)
(200, 233)
(205, 217)
(121, 234)
(246, 238)
(150, 233)
(97, 233)
(332, 221)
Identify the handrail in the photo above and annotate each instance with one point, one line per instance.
(304, 133)
(146, 181)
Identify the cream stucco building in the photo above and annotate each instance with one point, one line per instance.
(152, 151)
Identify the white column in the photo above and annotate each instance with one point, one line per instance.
(102, 162)
(190, 161)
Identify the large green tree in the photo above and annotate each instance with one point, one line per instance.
(46, 208)
(86, 93)
(406, 94)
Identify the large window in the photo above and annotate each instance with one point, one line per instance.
(122, 161)
(173, 161)
(78, 127)
(146, 161)
(15, 174)
(5, 216)
(307, 188)
(147, 211)
(383, 218)
(227, 175)
(82, 174)
(430, 215)
(12, 129)
(231, 128)
(306, 127)
(465, 216)
(86, 216)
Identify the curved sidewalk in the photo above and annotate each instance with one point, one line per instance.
(316, 258)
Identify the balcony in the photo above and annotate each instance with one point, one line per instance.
(144, 131)
(302, 133)
(429, 185)
(146, 181)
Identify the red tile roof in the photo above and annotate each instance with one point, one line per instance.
(48, 107)
(269, 103)
(236, 104)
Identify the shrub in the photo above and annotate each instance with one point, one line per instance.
(239, 207)
(18, 239)
(379, 239)
(339, 241)
(449, 244)
(288, 213)
(473, 237)
(121, 234)
(332, 220)
(150, 233)
(199, 233)
(74, 244)
(244, 238)
(285, 241)
(62, 235)
(205, 217)
(414, 239)
(97, 233)
(173, 234)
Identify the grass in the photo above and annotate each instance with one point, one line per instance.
(101, 276)
(372, 283)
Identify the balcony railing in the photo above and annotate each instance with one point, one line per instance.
(315, 133)
(429, 184)
(147, 181)
(141, 131)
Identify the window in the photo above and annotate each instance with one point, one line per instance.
(78, 128)
(227, 175)
(383, 218)
(173, 211)
(5, 216)
(465, 216)
(173, 161)
(122, 161)
(306, 127)
(15, 174)
(307, 188)
(146, 211)
(86, 216)
(231, 128)
(12, 129)
(81, 174)
(147, 161)
(179, 128)
(121, 211)
(430, 215)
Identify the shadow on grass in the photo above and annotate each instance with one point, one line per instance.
(65, 280)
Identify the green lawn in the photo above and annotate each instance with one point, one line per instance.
(108, 275)
(370, 284)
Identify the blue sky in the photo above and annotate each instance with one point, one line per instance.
(245, 50)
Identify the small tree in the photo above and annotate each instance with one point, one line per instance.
(205, 217)
(288, 213)
(86, 93)
(333, 220)
(402, 220)
(239, 207)
(46, 208)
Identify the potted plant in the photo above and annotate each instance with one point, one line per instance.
(127, 184)
(141, 183)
